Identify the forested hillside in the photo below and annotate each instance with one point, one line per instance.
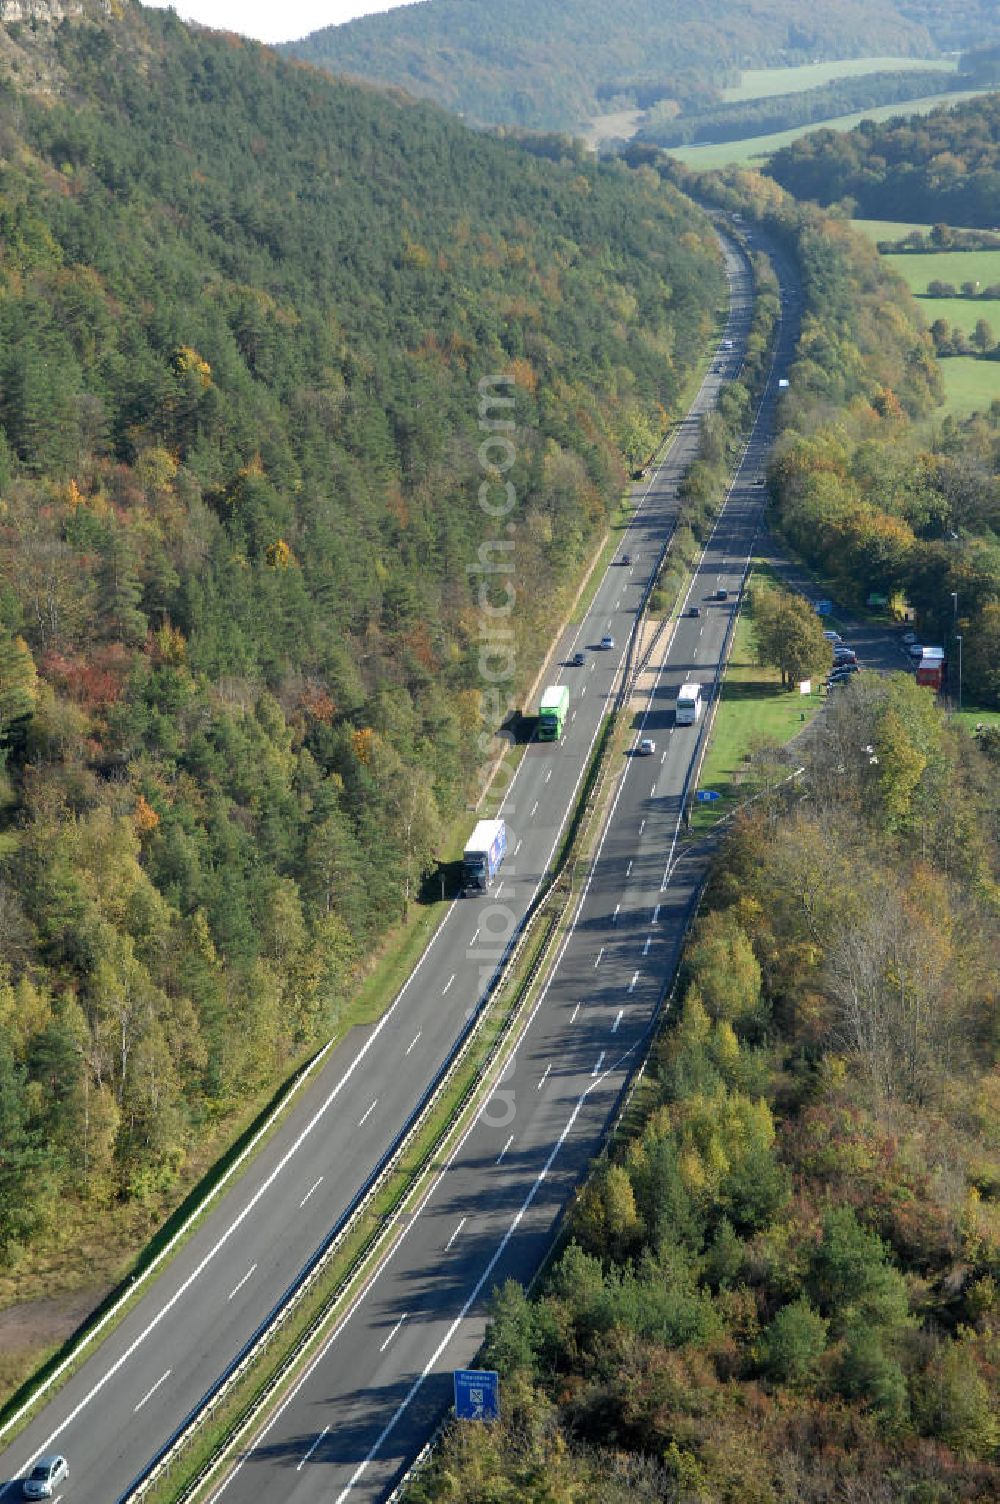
(944, 166)
(781, 1283)
(244, 312)
(549, 66)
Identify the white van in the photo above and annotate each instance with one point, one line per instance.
(688, 709)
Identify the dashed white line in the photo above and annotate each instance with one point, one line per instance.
(656, 914)
(652, 792)
(663, 757)
(417, 1035)
(545, 1076)
(635, 978)
(392, 1334)
(600, 953)
(645, 948)
(614, 917)
(548, 775)
(314, 1187)
(572, 715)
(516, 850)
(575, 1012)
(600, 1061)
(583, 691)
(628, 869)
(506, 1146)
(534, 808)
(452, 977)
(368, 1114)
(618, 1018)
(237, 1288)
(455, 1234)
(312, 1449)
(155, 1387)
(496, 895)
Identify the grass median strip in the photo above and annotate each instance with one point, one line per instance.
(371, 1231)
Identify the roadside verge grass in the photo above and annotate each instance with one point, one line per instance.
(754, 711)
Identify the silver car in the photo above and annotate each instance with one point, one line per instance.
(45, 1477)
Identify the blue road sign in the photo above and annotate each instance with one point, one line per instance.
(707, 795)
(823, 608)
(477, 1394)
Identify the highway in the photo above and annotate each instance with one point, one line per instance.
(371, 1395)
(136, 1389)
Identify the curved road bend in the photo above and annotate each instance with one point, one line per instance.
(371, 1395)
(152, 1371)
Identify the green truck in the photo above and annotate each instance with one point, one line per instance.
(552, 713)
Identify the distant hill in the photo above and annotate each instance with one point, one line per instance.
(245, 312)
(944, 166)
(549, 66)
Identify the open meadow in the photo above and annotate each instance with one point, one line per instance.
(753, 150)
(763, 83)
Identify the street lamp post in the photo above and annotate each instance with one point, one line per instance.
(958, 639)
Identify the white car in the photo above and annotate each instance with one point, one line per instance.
(45, 1477)
(607, 641)
(833, 637)
(647, 747)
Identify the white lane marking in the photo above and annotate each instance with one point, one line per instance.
(162, 1380)
(498, 1254)
(368, 1114)
(635, 978)
(572, 715)
(496, 895)
(592, 667)
(314, 1187)
(618, 1018)
(600, 1062)
(237, 1288)
(452, 977)
(656, 914)
(455, 1234)
(503, 1151)
(618, 603)
(652, 792)
(312, 1449)
(392, 1334)
(545, 1076)
(645, 948)
(583, 691)
(663, 757)
(575, 1012)
(548, 775)
(628, 869)
(417, 1035)
(516, 850)
(475, 936)
(614, 917)
(642, 826)
(533, 809)
(600, 953)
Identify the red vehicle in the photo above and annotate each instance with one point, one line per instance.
(930, 669)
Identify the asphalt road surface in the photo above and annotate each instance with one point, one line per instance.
(138, 1387)
(371, 1395)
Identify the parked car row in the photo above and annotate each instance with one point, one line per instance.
(845, 660)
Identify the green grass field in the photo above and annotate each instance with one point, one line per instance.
(965, 312)
(753, 710)
(887, 229)
(970, 385)
(955, 267)
(761, 83)
(756, 149)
